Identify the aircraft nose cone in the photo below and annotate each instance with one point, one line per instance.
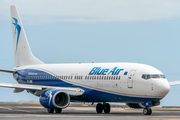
(162, 87)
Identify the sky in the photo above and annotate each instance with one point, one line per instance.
(69, 31)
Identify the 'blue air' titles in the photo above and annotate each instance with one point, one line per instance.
(99, 71)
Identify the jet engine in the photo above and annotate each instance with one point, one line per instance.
(54, 98)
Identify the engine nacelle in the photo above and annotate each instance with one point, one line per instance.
(54, 98)
(135, 105)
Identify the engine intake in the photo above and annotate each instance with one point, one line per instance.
(54, 98)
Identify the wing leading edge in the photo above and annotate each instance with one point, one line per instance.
(8, 71)
(40, 89)
(171, 83)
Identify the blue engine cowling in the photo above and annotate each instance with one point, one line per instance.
(135, 105)
(54, 98)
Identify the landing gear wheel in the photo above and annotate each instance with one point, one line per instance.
(50, 110)
(99, 108)
(107, 108)
(150, 111)
(58, 110)
(147, 111)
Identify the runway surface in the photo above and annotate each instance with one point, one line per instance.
(37, 112)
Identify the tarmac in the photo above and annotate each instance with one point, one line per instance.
(34, 111)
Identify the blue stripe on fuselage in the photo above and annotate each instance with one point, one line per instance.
(90, 95)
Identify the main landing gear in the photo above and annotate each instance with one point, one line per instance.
(147, 111)
(52, 110)
(105, 106)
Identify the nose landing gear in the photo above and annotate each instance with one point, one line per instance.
(105, 106)
(147, 111)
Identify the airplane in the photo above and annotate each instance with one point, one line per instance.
(56, 85)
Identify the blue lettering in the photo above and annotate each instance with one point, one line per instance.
(104, 71)
(93, 71)
(112, 71)
(118, 71)
(99, 71)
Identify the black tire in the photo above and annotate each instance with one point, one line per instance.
(145, 111)
(58, 110)
(99, 108)
(107, 108)
(149, 111)
(50, 110)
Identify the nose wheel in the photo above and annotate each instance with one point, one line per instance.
(147, 111)
(100, 107)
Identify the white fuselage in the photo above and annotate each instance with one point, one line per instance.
(124, 79)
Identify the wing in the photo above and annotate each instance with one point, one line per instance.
(174, 83)
(40, 89)
(8, 71)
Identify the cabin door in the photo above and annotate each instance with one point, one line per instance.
(130, 79)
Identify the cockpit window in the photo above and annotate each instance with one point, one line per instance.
(145, 76)
(162, 76)
(148, 77)
(155, 76)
